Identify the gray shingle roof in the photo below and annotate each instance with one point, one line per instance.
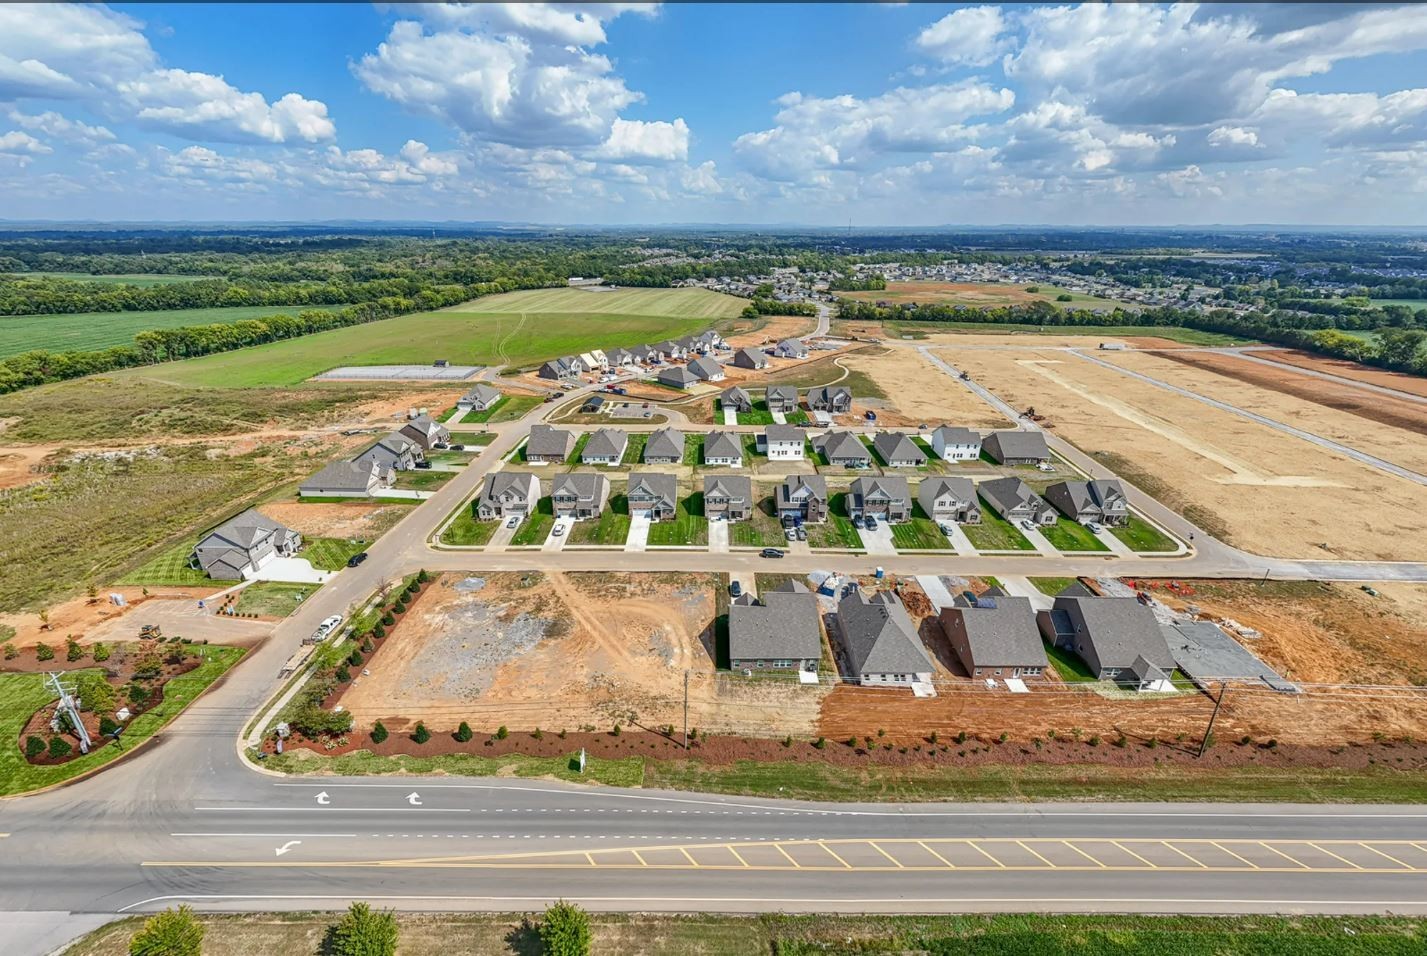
(787, 393)
(677, 375)
(962, 489)
(605, 443)
(1002, 635)
(956, 435)
(482, 394)
(358, 474)
(1120, 629)
(893, 487)
(831, 394)
(583, 485)
(1205, 652)
(736, 488)
(1007, 494)
(842, 446)
(705, 367)
(246, 529)
(786, 627)
(881, 638)
(722, 445)
(545, 440)
(1018, 444)
(663, 489)
(665, 443)
(752, 357)
(895, 446)
(734, 397)
(781, 433)
(792, 586)
(789, 486)
(501, 483)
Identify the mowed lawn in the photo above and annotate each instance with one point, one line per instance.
(142, 280)
(1140, 535)
(84, 331)
(689, 303)
(273, 598)
(471, 334)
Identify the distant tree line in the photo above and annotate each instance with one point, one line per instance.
(847, 283)
(773, 307)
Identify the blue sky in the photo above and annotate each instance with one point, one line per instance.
(884, 114)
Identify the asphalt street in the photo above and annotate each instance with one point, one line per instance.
(187, 819)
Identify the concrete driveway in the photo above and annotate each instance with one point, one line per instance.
(1038, 540)
(730, 416)
(878, 541)
(502, 535)
(556, 542)
(638, 539)
(293, 571)
(1116, 546)
(718, 535)
(960, 543)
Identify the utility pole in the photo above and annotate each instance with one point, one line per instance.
(686, 710)
(67, 706)
(1204, 744)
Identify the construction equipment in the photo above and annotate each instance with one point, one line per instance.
(151, 632)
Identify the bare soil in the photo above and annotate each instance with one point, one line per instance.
(776, 329)
(82, 616)
(918, 392)
(354, 519)
(1345, 369)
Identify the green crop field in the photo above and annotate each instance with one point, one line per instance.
(689, 303)
(471, 334)
(84, 331)
(142, 280)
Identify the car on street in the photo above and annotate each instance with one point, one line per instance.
(771, 553)
(356, 559)
(458, 447)
(514, 520)
(735, 589)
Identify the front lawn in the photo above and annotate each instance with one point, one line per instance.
(331, 554)
(507, 409)
(273, 598)
(634, 451)
(422, 480)
(688, 527)
(466, 530)
(1140, 535)
(838, 531)
(1051, 586)
(611, 528)
(995, 533)
(919, 533)
(760, 530)
(168, 567)
(536, 527)
(1067, 535)
(796, 417)
(22, 694)
(759, 415)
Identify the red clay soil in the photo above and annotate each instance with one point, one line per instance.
(335, 698)
(972, 752)
(1343, 368)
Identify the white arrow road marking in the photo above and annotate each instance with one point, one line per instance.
(414, 798)
(287, 846)
(323, 798)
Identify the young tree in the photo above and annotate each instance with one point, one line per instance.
(565, 930)
(421, 735)
(379, 732)
(59, 747)
(463, 732)
(170, 933)
(34, 746)
(73, 651)
(44, 652)
(100, 652)
(364, 932)
(11, 652)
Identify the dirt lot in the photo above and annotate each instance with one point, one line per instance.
(919, 392)
(180, 618)
(1346, 369)
(1258, 488)
(779, 327)
(562, 651)
(84, 620)
(354, 519)
(965, 293)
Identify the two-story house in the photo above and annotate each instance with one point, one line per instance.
(784, 442)
(950, 500)
(729, 497)
(835, 399)
(781, 398)
(802, 498)
(886, 496)
(579, 495)
(956, 444)
(508, 493)
(736, 399)
(1086, 501)
(652, 495)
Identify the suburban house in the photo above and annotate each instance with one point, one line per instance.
(836, 399)
(883, 649)
(950, 499)
(750, 358)
(885, 496)
(396, 452)
(239, 547)
(508, 493)
(562, 369)
(706, 369)
(781, 398)
(594, 359)
(348, 479)
(689, 344)
(1118, 638)
(665, 447)
(784, 632)
(995, 637)
(728, 496)
(802, 498)
(1086, 501)
(710, 340)
(426, 432)
(844, 450)
(677, 376)
(793, 348)
(1012, 499)
(647, 354)
(652, 495)
(605, 447)
(723, 448)
(671, 349)
(479, 399)
(547, 445)
(579, 495)
(898, 451)
(1017, 448)
(735, 398)
(956, 444)
(784, 442)
(620, 358)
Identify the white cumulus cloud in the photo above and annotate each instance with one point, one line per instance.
(973, 36)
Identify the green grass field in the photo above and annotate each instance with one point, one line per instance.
(1068, 666)
(508, 409)
(273, 598)
(142, 280)
(466, 530)
(919, 533)
(837, 531)
(779, 934)
(331, 554)
(1140, 535)
(519, 328)
(1051, 586)
(688, 527)
(1067, 535)
(536, 527)
(761, 530)
(611, 528)
(22, 694)
(84, 331)
(168, 567)
(995, 533)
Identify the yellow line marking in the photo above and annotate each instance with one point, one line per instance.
(873, 844)
(1084, 854)
(1301, 864)
(1386, 856)
(934, 853)
(591, 859)
(796, 864)
(1236, 856)
(1199, 863)
(987, 855)
(1118, 845)
(729, 848)
(1002, 868)
(638, 857)
(1035, 854)
(1420, 847)
(692, 862)
(845, 864)
(1335, 856)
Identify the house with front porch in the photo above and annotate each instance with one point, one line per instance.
(886, 496)
(508, 493)
(1103, 501)
(950, 500)
(723, 448)
(579, 495)
(1012, 499)
(834, 399)
(729, 497)
(802, 498)
(652, 495)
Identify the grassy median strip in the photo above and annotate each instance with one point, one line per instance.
(23, 694)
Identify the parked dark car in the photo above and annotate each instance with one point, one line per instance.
(458, 447)
(423, 464)
(735, 589)
(771, 553)
(356, 559)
